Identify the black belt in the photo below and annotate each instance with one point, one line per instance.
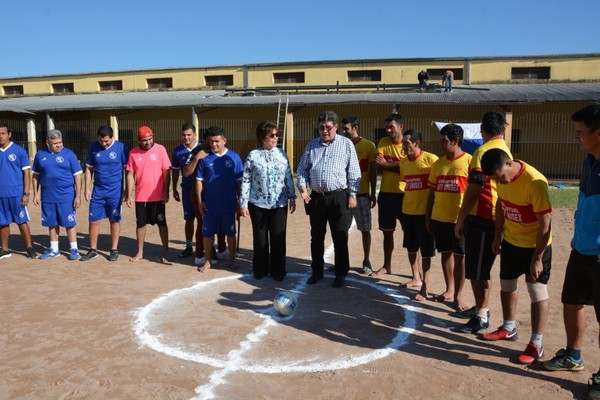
(328, 193)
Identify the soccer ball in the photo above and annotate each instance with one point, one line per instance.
(285, 303)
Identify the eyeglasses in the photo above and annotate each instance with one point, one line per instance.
(272, 135)
(326, 128)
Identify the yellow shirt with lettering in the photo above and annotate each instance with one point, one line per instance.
(416, 176)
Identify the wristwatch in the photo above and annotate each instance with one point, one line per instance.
(26, 194)
(353, 195)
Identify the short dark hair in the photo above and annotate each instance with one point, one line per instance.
(187, 126)
(493, 160)
(415, 135)
(397, 118)
(493, 122)
(589, 115)
(213, 131)
(263, 129)
(350, 119)
(105, 131)
(328, 116)
(453, 132)
(5, 126)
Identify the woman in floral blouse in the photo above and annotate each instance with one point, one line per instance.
(267, 193)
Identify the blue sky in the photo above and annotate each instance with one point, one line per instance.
(42, 37)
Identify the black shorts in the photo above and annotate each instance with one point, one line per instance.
(445, 241)
(479, 257)
(416, 236)
(150, 212)
(390, 210)
(582, 281)
(516, 261)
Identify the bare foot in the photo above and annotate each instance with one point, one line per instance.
(446, 296)
(459, 305)
(165, 258)
(136, 258)
(204, 267)
(412, 284)
(419, 297)
(381, 271)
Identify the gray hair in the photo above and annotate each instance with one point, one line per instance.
(53, 134)
(328, 116)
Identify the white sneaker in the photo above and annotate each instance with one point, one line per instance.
(224, 255)
(202, 260)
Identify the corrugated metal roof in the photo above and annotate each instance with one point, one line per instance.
(481, 94)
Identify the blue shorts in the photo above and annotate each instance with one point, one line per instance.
(218, 222)
(12, 211)
(105, 208)
(186, 201)
(58, 214)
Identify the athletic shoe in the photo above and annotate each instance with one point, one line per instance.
(464, 314)
(594, 387)
(531, 354)
(49, 253)
(224, 255)
(91, 254)
(475, 325)
(31, 253)
(501, 334)
(114, 255)
(186, 253)
(5, 254)
(74, 255)
(367, 268)
(563, 362)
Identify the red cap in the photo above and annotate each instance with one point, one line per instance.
(144, 132)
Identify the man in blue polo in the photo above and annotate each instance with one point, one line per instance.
(57, 173)
(105, 162)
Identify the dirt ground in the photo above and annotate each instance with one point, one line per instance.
(102, 330)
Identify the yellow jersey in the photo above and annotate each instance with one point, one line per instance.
(390, 182)
(365, 151)
(416, 175)
(449, 179)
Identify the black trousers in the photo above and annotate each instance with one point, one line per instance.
(268, 230)
(332, 209)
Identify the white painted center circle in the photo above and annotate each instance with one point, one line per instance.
(234, 360)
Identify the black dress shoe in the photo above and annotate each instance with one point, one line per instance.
(338, 282)
(314, 278)
(278, 278)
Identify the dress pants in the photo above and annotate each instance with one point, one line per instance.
(268, 230)
(333, 209)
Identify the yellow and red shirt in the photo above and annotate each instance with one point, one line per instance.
(365, 151)
(449, 179)
(522, 200)
(485, 206)
(416, 175)
(390, 182)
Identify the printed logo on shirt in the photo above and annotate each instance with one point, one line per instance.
(12, 157)
(112, 155)
(153, 157)
(96, 154)
(60, 160)
(228, 164)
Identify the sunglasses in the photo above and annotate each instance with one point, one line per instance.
(272, 135)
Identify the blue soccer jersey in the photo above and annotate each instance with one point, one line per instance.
(179, 159)
(219, 175)
(56, 172)
(108, 165)
(13, 160)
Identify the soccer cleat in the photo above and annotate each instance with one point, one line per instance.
(114, 255)
(186, 253)
(49, 253)
(367, 268)
(563, 362)
(31, 253)
(5, 254)
(501, 334)
(531, 354)
(464, 314)
(74, 255)
(475, 325)
(594, 387)
(91, 254)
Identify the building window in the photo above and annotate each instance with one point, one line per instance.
(63, 88)
(437, 74)
(159, 83)
(364, 76)
(288, 77)
(218, 80)
(14, 90)
(531, 73)
(110, 85)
